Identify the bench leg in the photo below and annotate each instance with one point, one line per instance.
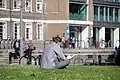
(10, 59)
(99, 59)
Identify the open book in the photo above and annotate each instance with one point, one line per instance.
(70, 56)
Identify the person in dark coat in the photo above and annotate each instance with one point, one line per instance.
(117, 58)
(16, 47)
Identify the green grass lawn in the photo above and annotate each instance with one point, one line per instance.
(71, 73)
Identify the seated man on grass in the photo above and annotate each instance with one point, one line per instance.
(53, 56)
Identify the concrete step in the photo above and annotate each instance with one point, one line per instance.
(4, 61)
(3, 53)
(15, 61)
(4, 58)
(14, 64)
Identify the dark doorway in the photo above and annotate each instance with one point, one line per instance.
(107, 35)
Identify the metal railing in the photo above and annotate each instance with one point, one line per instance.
(89, 44)
(6, 44)
(80, 44)
(47, 42)
(110, 44)
(82, 41)
(77, 44)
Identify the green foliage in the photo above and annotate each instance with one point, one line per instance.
(71, 73)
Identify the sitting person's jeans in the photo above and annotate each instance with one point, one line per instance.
(60, 64)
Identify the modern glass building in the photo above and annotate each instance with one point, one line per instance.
(105, 15)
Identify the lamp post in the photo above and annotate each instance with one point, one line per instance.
(10, 35)
(21, 34)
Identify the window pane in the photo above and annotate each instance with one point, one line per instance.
(95, 13)
(116, 15)
(39, 4)
(101, 13)
(1, 30)
(39, 31)
(2, 3)
(16, 30)
(77, 11)
(27, 33)
(39, 0)
(17, 4)
(28, 5)
(111, 15)
(106, 14)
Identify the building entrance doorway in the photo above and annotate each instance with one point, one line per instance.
(109, 37)
(75, 36)
(3, 30)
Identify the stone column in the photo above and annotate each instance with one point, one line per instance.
(89, 10)
(85, 36)
(99, 13)
(97, 34)
(113, 14)
(90, 16)
(108, 14)
(112, 37)
(104, 13)
(9, 4)
(23, 4)
(34, 5)
(34, 31)
(102, 34)
(5, 33)
(102, 37)
(116, 37)
(10, 29)
(80, 38)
